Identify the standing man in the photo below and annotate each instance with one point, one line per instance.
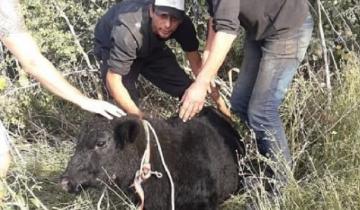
(20, 43)
(278, 33)
(130, 40)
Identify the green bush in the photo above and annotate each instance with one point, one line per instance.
(323, 134)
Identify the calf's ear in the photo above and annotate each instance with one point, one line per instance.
(127, 131)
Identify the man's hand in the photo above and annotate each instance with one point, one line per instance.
(193, 100)
(101, 107)
(219, 101)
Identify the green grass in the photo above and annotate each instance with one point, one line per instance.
(324, 142)
(325, 146)
(323, 136)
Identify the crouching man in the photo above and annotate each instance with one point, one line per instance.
(130, 40)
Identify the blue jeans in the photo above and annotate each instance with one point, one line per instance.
(267, 70)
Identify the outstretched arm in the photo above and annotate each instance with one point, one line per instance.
(209, 39)
(196, 61)
(33, 62)
(194, 97)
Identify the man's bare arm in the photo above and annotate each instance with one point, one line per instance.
(24, 48)
(121, 94)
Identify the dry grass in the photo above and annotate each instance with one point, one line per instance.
(324, 144)
(324, 137)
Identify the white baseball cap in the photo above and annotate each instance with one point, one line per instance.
(172, 7)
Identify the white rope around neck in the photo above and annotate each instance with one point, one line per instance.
(145, 168)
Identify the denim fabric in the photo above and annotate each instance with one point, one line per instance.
(267, 71)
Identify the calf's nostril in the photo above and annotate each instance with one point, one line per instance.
(78, 188)
(65, 184)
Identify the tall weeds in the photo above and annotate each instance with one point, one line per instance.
(324, 138)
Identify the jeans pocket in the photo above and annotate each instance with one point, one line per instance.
(292, 44)
(280, 48)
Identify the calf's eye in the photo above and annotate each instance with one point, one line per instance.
(100, 144)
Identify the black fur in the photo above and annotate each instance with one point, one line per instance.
(200, 155)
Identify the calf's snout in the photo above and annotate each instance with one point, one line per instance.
(70, 186)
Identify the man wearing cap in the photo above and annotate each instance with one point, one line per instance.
(278, 33)
(130, 40)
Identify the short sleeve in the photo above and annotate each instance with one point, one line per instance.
(123, 50)
(11, 21)
(185, 35)
(226, 15)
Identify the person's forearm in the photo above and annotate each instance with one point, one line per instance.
(33, 62)
(44, 72)
(195, 61)
(220, 46)
(209, 40)
(120, 93)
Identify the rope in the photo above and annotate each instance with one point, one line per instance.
(165, 166)
(145, 171)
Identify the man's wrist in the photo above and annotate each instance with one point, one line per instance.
(82, 101)
(204, 79)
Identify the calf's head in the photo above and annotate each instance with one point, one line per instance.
(106, 150)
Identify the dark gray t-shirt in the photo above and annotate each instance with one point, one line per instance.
(11, 21)
(260, 18)
(124, 35)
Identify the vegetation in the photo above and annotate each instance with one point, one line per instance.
(320, 111)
